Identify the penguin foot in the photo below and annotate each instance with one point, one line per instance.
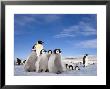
(28, 70)
(41, 70)
(46, 70)
(34, 70)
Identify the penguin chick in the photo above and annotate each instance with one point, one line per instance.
(77, 67)
(29, 65)
(48, 55)
(54, 63)
(43, 61)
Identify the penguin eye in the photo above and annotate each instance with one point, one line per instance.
(57, 51)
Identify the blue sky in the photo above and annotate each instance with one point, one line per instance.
(74, 34)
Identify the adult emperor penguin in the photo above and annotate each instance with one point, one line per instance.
(42, 63)
(39, 47)
(54, 63)
(29, 65)
(85, 60)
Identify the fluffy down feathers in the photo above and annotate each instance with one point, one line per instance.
(55, 64)
(43, 63)
(30, 62)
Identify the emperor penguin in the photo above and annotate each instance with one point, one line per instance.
(85, 60)
(18, 61)
(29, 65)
(24, 62)
(38, 47)
(42, 64)
(77, 67)
(54, 63)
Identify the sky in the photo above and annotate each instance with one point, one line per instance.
(74, 34)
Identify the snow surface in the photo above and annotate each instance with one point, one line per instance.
(90, 70)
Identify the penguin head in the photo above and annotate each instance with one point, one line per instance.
(49, 51)
(40, 42)
(57, 51)
(34, 50)
(43, 51)
(86, 54)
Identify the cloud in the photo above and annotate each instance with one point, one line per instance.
(90, 18)
(31, 21)
(87, 44)
(28, 19)
(51, 18)
(82, 28)
(63, 35)
(24, 20)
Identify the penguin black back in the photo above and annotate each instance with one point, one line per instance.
(18, 61)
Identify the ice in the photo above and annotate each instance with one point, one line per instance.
(90, 70)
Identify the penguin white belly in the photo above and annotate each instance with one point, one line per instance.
(43, 63)
(86, 62)
(30, 62)
(38, 52)
(37, 65)
(38, 49)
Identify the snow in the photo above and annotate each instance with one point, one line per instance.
(90, 70)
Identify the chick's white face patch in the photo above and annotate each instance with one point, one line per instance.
(49, 52)
(43, 52)
(57, 51)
